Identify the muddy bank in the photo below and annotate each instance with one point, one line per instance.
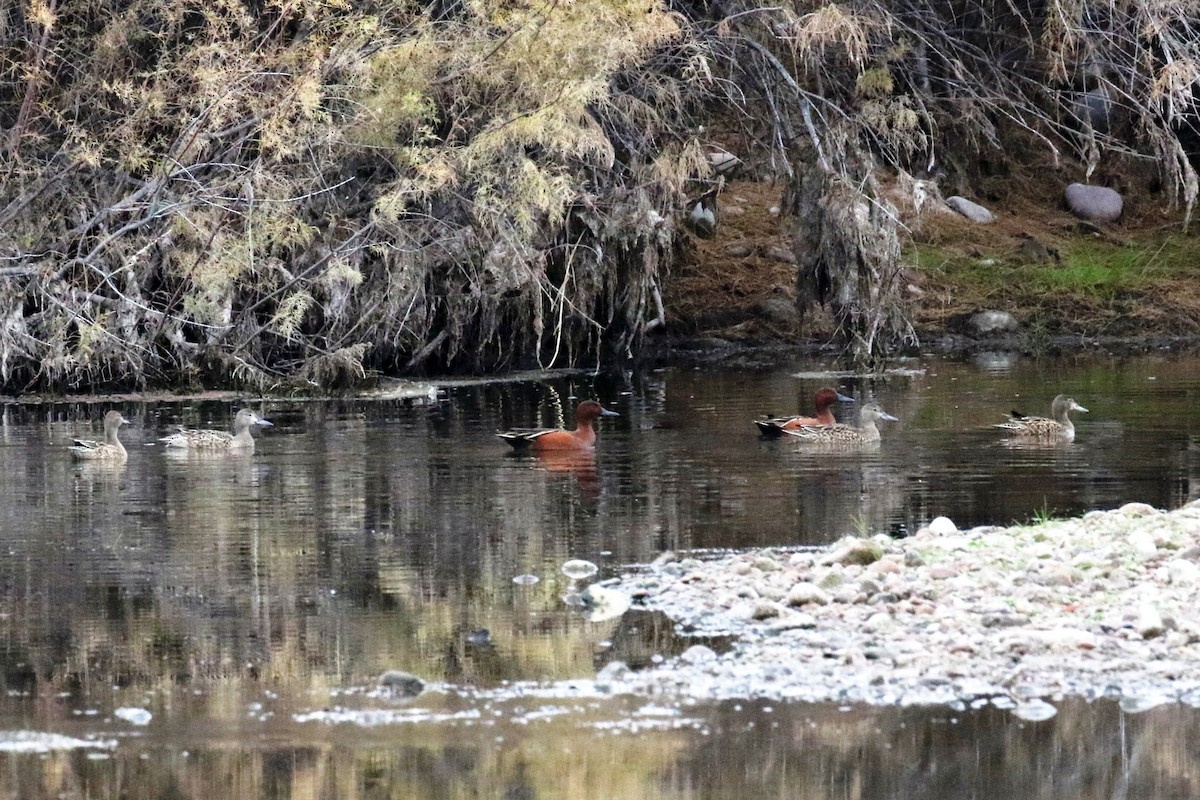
(770, 351)
(1101, 606)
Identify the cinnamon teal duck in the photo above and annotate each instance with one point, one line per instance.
(582, 438)
(822, 400)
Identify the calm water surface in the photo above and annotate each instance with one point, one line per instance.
(250, 603)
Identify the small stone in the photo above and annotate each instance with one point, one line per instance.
(697, 654)
(764, 610)
(831, 580)
(806, 593)
(855, 551)
(983, 323)
(612, 674)
(846, 595)
(400, 684)
(1143, 544)
(1149, 622)
(1004, 619)
(1181, 572)
(1138, 510)
(971, 210)
(577, 569)
(765, 564)
(869, 587)
(782, 255)
(793, 620)
(739, 250)
(1191, 553)
(1060, 575)
(942, 526)
(941, 572)
(913, 559)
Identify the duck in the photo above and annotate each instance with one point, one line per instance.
(822, 399)
(240, 439)
(110, 449)
(863, 433)
(1060, 426)
(541, 439)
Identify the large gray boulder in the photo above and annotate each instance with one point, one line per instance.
(970, 210)
(1095, 203)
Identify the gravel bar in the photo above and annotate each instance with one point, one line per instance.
(1104, 606)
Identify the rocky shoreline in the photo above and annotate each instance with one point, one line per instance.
(1103, 606)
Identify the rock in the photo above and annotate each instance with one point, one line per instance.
(1181, 572)
(970, 210)
(722, 161)
(765, 564)
(869, 587)
(795, 620)
(942, 571)
(577, 569)
(782, 255)
(1095, 203)
(944, 526)
(613, 673)
(697, 654)
(1138, 510)
(1004, 619)
(400, 684)
(779, 311)
(1149, 622)
(739, 250)
(987, 322)
(847, 595)
(855, 551)
(1143, 544)
(806, 593)
(764, 610)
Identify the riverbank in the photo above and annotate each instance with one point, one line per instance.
(1064, 284)
(1101, 606)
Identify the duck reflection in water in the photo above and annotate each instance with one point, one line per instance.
(578, 464)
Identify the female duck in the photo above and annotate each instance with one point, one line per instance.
(1058, 427)
(823, 399)
(110, 449)
(240, 439)
(541, 439)
(865, 432)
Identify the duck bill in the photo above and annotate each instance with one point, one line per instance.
(1077, 407)
(604, 412)
(888, 417)
(843, 399)
(266, 423)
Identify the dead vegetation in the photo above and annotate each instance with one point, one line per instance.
(271, 194)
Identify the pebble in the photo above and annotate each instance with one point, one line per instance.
(1143, 544)
(1101, 606)
(1149, 623)
(806, 593)
(942, 526)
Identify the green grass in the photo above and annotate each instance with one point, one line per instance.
(1087, 268)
